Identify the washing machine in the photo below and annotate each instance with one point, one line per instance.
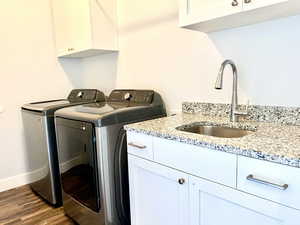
(40, 139)
(92, 151)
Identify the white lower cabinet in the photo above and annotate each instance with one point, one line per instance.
(158, 195)
(214, 204)
(165, 191)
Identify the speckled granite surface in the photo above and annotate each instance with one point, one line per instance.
(274, 142)
(277, 114)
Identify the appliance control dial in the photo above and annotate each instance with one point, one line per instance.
(127, 96)
(80, 94)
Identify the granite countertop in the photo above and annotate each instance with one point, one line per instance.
(272, 142)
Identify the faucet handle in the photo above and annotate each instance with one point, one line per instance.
(247, 106)
(243, 113)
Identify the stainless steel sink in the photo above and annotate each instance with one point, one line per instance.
(216, 131)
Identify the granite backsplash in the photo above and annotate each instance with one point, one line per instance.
(256, 113)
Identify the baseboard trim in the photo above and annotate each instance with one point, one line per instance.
(19, 180)
(28, 178)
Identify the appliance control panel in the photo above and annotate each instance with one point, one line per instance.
(86, 95)
(133, 96)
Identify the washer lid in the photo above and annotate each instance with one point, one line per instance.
(76, 97)
(46, 105)
(94, 108)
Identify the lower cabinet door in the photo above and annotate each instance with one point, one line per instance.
(158, 195)
(214, 204)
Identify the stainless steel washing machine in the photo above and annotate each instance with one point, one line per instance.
(40, 138)
(92, 151)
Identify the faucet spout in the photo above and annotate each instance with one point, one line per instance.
(219, 85)
(219, 81)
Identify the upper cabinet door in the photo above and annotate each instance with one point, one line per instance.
(215, 15)
(158, 195)
(213, 204)
(254, 4)
(84, 27)
(72, 25)
(195, 11)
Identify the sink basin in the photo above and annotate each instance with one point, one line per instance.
(216, 131)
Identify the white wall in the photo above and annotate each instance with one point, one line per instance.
(268, 57)
(183, 65)
(99, 72)
(154, 53)
(29, 71)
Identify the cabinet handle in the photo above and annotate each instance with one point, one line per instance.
(248, 1)
(70, 49)
(181, 181)
(235, 3)
(137, 146)
(260, 181)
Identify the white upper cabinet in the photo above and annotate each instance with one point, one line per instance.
(203, 10)
(215, 15)
(84, 27)
(254, 4)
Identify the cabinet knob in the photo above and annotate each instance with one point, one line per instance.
(235, 3)
(181, 181)
(248, 1)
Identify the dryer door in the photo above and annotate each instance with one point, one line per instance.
(78, 162)
(121, 179)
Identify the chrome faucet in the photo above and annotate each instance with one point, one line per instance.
(234, 113)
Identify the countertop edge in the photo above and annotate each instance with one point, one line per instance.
(278, 159)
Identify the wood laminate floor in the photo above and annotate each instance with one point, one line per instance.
(21, 206)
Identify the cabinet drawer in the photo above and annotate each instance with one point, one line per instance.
(139, 145)
(214, 204)
(213, 165)
(272, 181)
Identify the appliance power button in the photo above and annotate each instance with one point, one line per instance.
(127, 96)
